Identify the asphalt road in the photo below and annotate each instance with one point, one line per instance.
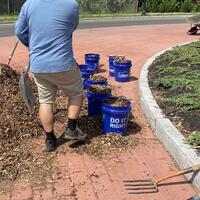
(8, 29)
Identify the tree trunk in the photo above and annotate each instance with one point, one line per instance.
(135, 6)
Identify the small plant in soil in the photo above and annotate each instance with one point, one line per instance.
(97, 78)
(194, 140)
(117, 101)
(99, 89)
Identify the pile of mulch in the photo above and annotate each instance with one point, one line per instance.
(19, 131)
(103, 145)
(16, 126)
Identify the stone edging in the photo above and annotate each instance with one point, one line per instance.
(166, 132)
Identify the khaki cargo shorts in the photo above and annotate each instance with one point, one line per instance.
(70, 82)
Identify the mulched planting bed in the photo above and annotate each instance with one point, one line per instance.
(20, 157)
(175, 82)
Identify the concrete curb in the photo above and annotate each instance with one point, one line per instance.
(166, 132)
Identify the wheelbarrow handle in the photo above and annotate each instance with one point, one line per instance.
(194, 168)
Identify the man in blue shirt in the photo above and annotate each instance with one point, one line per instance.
(46, 28)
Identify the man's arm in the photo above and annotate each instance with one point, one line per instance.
(76, 17)
(21, 27)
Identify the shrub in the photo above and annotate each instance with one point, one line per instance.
(187, 6)
(194, 140)
(169, 6)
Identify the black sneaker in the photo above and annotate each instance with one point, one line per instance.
(76, 134)
(50, 144)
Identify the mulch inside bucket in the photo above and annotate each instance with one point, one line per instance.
(117, 57)
(121, 60)
(99, 89)
(118, 101)
(97, 78)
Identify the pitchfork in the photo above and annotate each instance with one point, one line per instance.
(150, 186)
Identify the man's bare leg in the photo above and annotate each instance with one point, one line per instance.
(46, 117)
(74, 108)
(47, 120)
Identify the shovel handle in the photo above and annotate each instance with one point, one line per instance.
(13, 51)
(194, 168)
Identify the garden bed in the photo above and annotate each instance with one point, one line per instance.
(174, 79)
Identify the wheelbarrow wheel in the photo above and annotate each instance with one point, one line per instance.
(193, 31)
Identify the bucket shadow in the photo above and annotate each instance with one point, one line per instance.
(133, 78)
(90, 125)
(93, 127)
(133, 128)
(102, 70)
(101, 65)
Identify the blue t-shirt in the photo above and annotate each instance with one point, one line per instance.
(46, 27)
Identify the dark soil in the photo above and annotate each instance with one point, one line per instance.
(97, 78)
(99, 89)
(174, 81)
(19, 133)
(117, 102)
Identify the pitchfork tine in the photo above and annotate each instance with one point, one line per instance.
(142, 186)
(132, 181)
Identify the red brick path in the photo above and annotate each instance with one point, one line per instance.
(84, 178)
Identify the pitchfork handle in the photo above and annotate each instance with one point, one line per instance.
(194, 168)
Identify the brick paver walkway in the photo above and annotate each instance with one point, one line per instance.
(149, 159)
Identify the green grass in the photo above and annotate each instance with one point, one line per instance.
(8, 18)
(85, 15)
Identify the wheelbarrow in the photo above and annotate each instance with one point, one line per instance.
(194, 22)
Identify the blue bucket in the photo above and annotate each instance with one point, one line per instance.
(89, 83)
(122, 71)
(93, 59)
(111, 64)
(95, 102)
(87, 71)
(115, 118)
